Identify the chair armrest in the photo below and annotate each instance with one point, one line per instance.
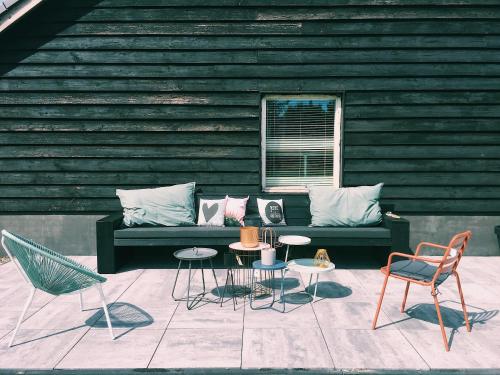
(429, 244)
(106, 257)
(400, 232)
(409, 256)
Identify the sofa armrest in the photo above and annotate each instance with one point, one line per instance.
(106, 252)
(400, 233)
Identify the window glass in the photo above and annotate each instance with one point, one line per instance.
(300, 136)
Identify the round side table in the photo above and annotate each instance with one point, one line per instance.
(240, 271)
(269, 277)
(307, 266)
(190, 255)
(291, 240)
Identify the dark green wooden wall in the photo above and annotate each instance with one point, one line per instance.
(96, 95)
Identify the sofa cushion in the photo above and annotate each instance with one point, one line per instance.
(168, 205)
(235, 211)
(349, 207)
(211, 212)
(271, 211)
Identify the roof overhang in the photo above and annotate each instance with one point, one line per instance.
(13, 10)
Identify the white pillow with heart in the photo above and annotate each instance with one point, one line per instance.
(211, 212)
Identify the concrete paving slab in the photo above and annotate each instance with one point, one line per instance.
(372, 281)
(199, 348)
(474, 292)
(416, 293)
(14, 298)
(423, 316)
(140, 302)
(10, 283)
(474, 350)
(8, 272)
(14, 290)
(209, 315)
(469, 276)
(154, 287)
(293, 286)
(38, 349)
(4, 333)
(471, 267)
(131, 349)
(4, 259)
(285, 348)
(485, 317)
(61, 316)
(341, 286)
(298, 311)
(214, 289)
(367, 349)
(349, 315)
(9, 318)
(128, 316)
(113, 288)
(295, 316)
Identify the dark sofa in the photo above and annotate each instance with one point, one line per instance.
(113, 237)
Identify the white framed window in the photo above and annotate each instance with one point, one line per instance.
(301, 138)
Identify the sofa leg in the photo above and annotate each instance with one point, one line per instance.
(107, 261)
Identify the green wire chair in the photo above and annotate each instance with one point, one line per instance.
(51, 272)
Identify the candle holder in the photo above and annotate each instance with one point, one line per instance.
(321, 259)
(249, 236)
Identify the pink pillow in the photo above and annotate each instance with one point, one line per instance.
(235, 210)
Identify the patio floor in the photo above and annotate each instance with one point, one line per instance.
(332, 334)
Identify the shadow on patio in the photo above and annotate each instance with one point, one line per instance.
(123, 315)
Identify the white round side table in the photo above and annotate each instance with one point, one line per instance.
(308, 266)
(293, 241)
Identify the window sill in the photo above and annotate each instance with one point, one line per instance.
(283, 190)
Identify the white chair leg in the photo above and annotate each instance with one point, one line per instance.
(81, 301)
(28, 303)
(106, 312)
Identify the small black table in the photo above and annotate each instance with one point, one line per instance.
(195, 254)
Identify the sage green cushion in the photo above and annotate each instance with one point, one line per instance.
(169, 205)
(346, 207)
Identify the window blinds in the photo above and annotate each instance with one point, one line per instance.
(299, 144)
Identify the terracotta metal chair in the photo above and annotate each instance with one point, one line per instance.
(430, 272)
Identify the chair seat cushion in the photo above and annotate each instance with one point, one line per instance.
(417, 270)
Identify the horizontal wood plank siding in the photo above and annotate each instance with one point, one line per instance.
(98, 95)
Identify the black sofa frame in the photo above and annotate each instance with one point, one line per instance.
(112, 237)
